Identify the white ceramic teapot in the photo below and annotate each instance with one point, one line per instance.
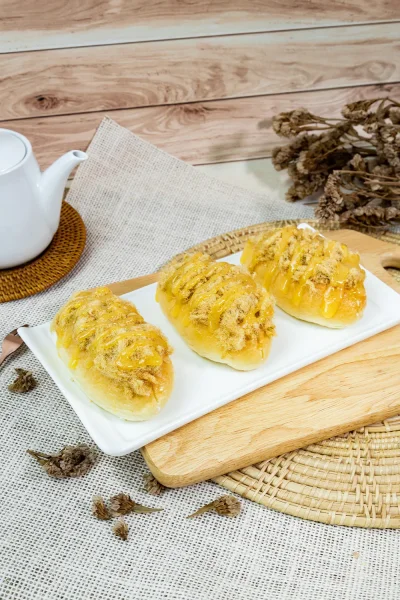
(30, 201)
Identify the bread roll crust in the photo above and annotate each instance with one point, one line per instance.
(120, 361)
(312, 278)
(218, 309)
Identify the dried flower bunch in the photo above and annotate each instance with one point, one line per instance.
(122, 504)
(119, 505)
(152, 486)
(354, 159)
(227, 506)
(76, 461)
(71, 461)
(24, 381)
(121, 529)
(100, 509)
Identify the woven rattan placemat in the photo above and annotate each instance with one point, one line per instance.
(353, 479)
(55, 262)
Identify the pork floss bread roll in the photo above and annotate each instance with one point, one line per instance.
(218, 309)
(312, 278)
(120, 361)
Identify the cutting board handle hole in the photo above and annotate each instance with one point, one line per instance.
(394, 274)
(391, 259)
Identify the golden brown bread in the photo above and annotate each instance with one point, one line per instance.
(312, 278)
(218, 309)
(121, 362)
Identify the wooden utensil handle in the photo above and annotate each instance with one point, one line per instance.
(123, 287)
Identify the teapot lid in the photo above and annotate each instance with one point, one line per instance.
(12, 150)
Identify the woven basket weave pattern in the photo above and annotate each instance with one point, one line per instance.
(351, 480)
(54, 263)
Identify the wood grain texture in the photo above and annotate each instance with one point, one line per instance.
(79, 80)
(352, 388)
(25, 25)
(201, 132)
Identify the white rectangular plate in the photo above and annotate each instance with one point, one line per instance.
(201, 385)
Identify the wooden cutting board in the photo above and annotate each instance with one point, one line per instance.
(357, 386)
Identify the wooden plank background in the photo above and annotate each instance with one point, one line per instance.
(208, 97)
(200, 133)
(76, 80)
(32, 25)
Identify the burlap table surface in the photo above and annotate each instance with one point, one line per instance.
(140, 207)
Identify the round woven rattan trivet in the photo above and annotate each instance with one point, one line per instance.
(353, 479)
(55, 262)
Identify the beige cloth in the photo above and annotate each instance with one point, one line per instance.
(140, 207)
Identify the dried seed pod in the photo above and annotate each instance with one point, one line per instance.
(121, 529)
(358, 111)
(152, 486)
(100, 509)
(23, 383)
(370, 216)
(122, 504)
(71, 461)
(227, 506)
(288, 124)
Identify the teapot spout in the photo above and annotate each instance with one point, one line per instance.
(52, 185)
